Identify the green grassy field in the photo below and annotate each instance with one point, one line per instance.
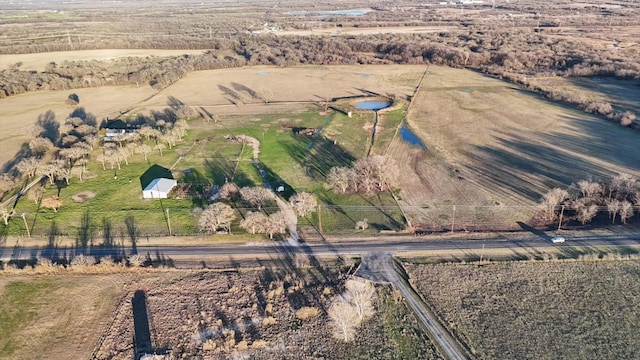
(207, 157)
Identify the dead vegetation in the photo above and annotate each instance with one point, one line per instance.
(526, 310)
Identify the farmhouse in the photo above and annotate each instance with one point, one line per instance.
(117, 127)
(158, 188)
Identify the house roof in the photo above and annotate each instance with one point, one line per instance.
(155, 171)
(161, 185)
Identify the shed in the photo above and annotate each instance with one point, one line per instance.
(158, 188)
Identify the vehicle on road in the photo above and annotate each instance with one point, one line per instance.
(558, 239)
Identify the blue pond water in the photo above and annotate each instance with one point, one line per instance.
(410, 137)
(337, 12)
(373, 105)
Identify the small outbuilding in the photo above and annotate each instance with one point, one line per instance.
(159, 188)
(157, 182)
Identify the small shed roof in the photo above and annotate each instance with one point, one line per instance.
(161, 185)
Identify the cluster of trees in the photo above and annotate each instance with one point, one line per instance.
(350, 309)
(367, 175)
(219, 215)
(584, 200)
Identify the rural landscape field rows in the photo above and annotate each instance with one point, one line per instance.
(286, 152)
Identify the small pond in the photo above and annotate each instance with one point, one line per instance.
(373, 105)
(411, 138)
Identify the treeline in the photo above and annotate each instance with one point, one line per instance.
(584, 200)
(513, 54)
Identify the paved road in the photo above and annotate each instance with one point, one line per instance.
(380, 268)
(621, 242)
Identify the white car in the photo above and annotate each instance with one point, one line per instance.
(557, 239)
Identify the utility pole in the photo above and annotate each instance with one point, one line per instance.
(319, 220)
(561, 214)
(168, 221)
(26, 226)
(69, 38)
(453, 218)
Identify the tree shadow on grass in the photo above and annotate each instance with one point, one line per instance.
(527, 164)
(220, 171)
(317, 155)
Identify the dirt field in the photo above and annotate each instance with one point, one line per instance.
(55, 317)
(540, 310)
(211, 90)
(196, 313)
(489, 143)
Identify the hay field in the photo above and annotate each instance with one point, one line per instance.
(537, 310)
(290, 86)
(490, 143)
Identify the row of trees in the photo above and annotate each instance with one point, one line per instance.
(584, 200)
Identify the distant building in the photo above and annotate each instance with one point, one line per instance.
(117, 127)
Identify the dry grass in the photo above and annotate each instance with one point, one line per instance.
(38, 61)
(290, 86)
(55, 317)
(489, 143)
(537, 310)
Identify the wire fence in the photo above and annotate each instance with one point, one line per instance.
(327, 219)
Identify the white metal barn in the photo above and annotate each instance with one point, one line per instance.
(158, 188)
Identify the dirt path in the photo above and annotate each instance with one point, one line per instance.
(288, 213)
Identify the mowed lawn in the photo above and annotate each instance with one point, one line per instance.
(537, 310)
(491, 143)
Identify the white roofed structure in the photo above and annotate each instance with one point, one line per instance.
(159, 188)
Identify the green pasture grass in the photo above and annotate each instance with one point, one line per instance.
(205, 158)
(18, 306)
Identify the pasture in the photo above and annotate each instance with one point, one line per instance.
(489, 143)
(536, 310)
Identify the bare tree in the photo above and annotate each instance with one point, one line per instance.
(144, 149)
(256, 195)
(586, 213)
(39, 146)
(613, 206)
(7, 182)
(339, 179)
(52, 170)
(28, 167)
(276, 224)
(6, 212)
(551, 200)
(625, 210)
(228, 191)
(216, 216)
(160, 147)
(255, 222)
(360, 294)
(35, 193)
(344, 319)
(52, 202)
(590, 189)
(303, 203)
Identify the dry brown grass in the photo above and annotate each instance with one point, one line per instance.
(537, 310)
(289, 85)
(489, 143)
(62, 318)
